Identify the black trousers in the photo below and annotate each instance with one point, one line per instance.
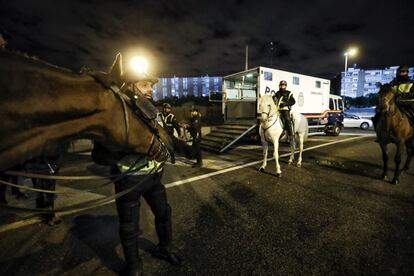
(3, 187)
(128, 207)
(196, 149)
(44, 200)
(172, 152)
(287, 122)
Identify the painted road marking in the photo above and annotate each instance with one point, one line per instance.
(196, 178)
(26, 222)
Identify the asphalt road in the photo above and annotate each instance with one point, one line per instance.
(331, 216)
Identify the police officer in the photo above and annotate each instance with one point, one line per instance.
(195, 131)
(284, 100)
(148, 173)
(170, 123)
(403, 86)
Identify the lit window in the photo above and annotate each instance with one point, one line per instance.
(296, 80)
(268, 76)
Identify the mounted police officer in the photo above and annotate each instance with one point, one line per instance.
(403, 86)
(148, 174)
(284, 100)
(170, 123)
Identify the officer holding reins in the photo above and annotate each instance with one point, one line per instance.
(170, 123)
(284, 100)
(148, 174)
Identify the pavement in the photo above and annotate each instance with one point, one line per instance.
(332, 216)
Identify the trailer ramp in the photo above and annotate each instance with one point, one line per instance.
(222, 137)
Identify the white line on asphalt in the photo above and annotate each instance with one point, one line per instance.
(26, 222)
(192, 179)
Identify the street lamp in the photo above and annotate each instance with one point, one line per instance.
(350, 52)
(139, 65)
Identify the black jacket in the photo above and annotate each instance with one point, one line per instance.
(195, 127)
(288, 99)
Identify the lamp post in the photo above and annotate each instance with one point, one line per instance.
(350, 52)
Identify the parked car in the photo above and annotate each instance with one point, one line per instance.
(352, 120)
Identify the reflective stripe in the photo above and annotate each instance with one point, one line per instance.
(141, 167)
(280, 101)
(405, 87)
(165, 119)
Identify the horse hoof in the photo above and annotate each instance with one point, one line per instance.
(279, 175)
(298, 165)
(395, 181)
(290, 163)
(385, 178)
(261, 170)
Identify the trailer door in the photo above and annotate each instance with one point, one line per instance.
(240, 97)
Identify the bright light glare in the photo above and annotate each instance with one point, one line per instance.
(249, 75)
(139, 64)
(351, 52)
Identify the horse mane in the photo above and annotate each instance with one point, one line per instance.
(37, 61)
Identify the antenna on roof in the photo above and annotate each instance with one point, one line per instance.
(246, 66)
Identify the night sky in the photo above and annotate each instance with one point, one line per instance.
(194, 38)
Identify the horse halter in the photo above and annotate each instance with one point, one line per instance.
(146, 112)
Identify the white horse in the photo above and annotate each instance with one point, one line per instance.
(271, 128)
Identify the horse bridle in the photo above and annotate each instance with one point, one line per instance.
(150, 122)
(269, 117)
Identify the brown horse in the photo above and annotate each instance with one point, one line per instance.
(43, 106)
(393, 126)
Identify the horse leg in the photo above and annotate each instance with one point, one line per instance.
(384, 160)
(265, 147)
(276, 156)
(409, 147)
(397, 159)
(299, 163)
(292, 150)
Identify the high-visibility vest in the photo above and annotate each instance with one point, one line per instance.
(280, 101)
(140, 167)
(165, 119)
(403, 88)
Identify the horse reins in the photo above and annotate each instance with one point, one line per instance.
(162, 150)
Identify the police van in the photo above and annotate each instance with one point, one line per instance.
(241, 91)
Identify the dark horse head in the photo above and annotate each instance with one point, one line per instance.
(42, 106)
(386, 99)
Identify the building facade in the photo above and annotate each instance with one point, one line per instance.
(186, 86)
(358, 82)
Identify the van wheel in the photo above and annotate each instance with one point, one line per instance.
(364, 125)
(336, 130)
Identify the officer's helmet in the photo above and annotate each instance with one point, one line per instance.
(166, 105)
(402, 69)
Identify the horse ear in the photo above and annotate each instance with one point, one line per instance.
(116, 70)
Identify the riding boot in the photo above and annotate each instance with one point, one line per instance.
(172, 158)
(167, 251)
(128, 231)
(289, 130)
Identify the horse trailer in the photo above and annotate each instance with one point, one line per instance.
(241, 91)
